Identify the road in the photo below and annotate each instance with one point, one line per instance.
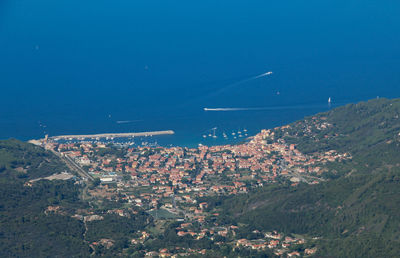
(73, 166)
(78, 168)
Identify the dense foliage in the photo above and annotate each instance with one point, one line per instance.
(26, 230)
(356, 128)
(357, 209)
(37, 218)
(119, 229)
(19, 160)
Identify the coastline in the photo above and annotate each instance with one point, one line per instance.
(111, 135)
(116, 135)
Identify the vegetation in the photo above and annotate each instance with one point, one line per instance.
(19, 160)
(352, 213)
(357, 209)
(37, 218)
(118, 228)
(26, 230)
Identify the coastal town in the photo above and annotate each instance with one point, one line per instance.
(199, 129)
(168, 182)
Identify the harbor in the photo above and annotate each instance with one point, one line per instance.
(112, 135)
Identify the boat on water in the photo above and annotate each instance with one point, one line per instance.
(329, 100)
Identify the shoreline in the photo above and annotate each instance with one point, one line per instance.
(114, 135)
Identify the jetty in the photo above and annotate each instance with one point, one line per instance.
(113, 135)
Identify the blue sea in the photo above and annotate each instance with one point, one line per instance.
(80, 67)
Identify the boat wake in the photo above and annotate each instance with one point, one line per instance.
(231, 109)
(272, 108)
(127, 121)
(242, 82)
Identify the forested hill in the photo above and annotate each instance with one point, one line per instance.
(23, 161)
(47, 218)
(25, 229)
(369, 131)
(355, 212)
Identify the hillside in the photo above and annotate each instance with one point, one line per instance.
(369, 131)
(47, 217)
(19, 160)
(25, 230)
(357, 209)
(350, 210)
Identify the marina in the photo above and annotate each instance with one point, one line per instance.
(211, 134)
(112, 135)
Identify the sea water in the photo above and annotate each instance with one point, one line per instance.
(81, 67)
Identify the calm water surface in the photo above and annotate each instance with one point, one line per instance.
(70, 67)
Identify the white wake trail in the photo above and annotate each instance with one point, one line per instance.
(271, 108)
(217, 92)
(250, 79)
(127, 121)
(231, 109)
(241, 82)
(262, 75)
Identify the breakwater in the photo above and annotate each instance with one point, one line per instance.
(113, 135)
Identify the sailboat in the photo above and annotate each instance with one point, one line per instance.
(329, 100)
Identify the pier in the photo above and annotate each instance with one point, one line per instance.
(113, 135)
